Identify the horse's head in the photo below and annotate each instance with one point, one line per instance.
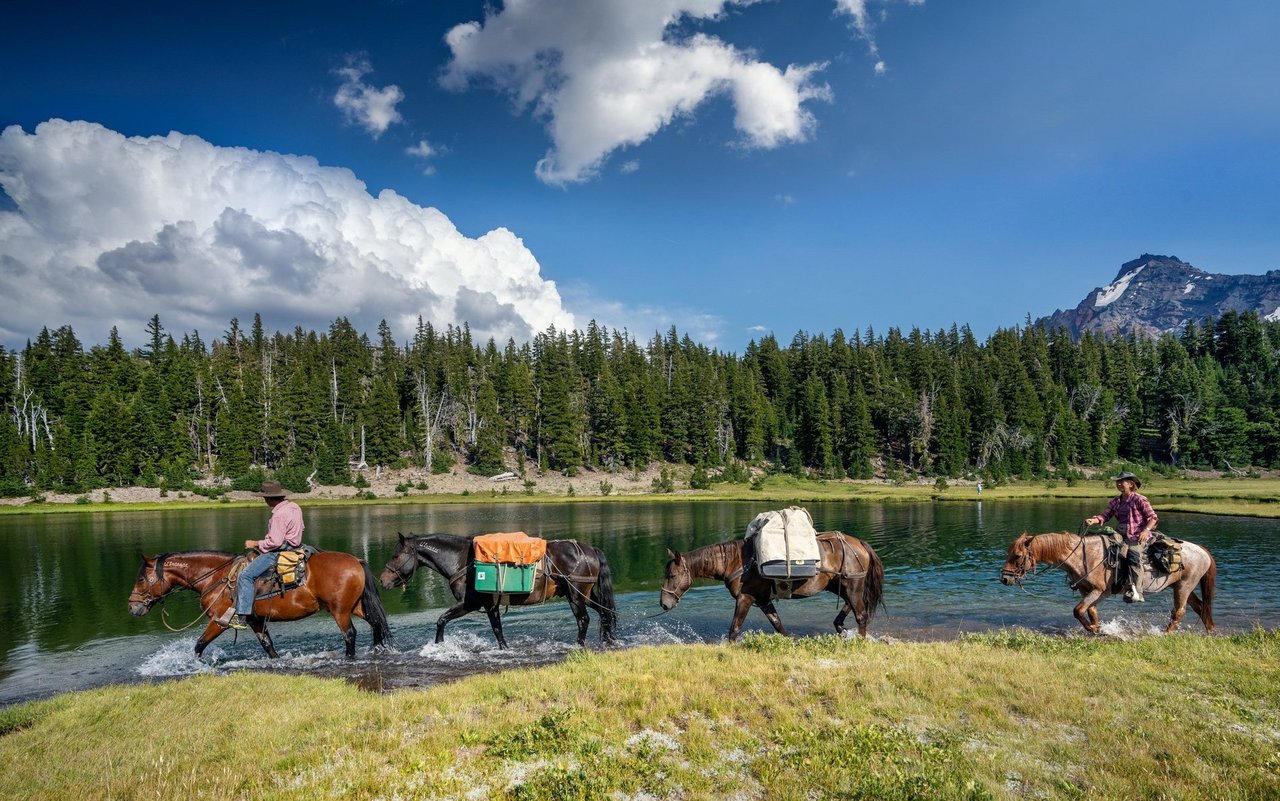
(150, 586)
(403, 563)
(1019, 562)
(676, 580)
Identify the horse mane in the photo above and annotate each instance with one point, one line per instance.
(716, 555)
(1055, 541)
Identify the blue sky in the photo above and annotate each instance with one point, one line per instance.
(728, 168)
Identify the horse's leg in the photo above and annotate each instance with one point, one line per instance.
(1086, 613)
(577, 603)
(457, 610)
(771, 612)
(740, 610)
(1181, 594)
(259, 627)
(348, 629)
(210, 633)
(851, 592)
(495, 623)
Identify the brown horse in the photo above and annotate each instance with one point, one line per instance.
(849, 567)
(1083, 559)
(576, 572)
(335, 581)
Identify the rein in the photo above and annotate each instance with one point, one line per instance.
(151, 599)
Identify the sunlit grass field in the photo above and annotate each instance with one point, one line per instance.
(1006, 715)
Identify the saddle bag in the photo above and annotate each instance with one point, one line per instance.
(1165, 554)
(786, 543)
(506, 562)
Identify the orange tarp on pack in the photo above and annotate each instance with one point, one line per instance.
(513, 547)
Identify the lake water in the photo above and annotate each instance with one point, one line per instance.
(64, 579)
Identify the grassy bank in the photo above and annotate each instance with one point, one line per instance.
(999, 716)
(1248, 497)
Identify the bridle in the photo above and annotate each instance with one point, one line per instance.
(402, 576)
(1026, 564)
(673, 593)
(152, 578)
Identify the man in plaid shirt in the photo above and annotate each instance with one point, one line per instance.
(1136, 520)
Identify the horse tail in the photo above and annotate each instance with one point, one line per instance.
(873, 586)
(1207, 581)
(371, 606)
(602, 597)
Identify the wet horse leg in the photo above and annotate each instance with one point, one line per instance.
(740, 609)
(259, 627)
(1086, 613)
(771, 612)
(851, 593)
(457, 610)
(578, 605)
(210, 633)
(348, 629)
(495, 623)
(1181, 594)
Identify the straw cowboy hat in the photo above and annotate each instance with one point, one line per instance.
(1137, 482)
(272, 489)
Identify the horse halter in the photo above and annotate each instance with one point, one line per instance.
(402, 578)
(673, 593)
(152, 578)
(1026, 564)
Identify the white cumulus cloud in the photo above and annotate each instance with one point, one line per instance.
(107, 230)
(607, 74)
(365, 105)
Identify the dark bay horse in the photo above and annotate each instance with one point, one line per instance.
(335, 581)
(576, 572)
(1082, 558)
(850, 568)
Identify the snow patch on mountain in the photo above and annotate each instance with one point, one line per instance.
(1273, 317)
(1111, 292)
(1187, 289)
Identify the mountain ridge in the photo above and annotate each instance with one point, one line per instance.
(1155, 294)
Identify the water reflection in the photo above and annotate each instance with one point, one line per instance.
(64, 579)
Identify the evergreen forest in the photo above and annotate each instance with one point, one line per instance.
(323, 406)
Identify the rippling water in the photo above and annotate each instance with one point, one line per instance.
(64, 580)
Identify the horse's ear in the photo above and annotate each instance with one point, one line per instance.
(401, 536)
(671, 554)
(143, 556)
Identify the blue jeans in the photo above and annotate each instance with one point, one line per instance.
(244, 585)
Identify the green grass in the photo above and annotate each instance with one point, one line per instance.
(1003, 715)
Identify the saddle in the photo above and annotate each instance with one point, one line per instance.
(289, 573)
(1163, 556)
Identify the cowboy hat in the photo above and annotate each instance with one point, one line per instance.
(1137, 482)
(272, 489)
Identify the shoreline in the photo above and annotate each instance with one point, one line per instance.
(1202, 494)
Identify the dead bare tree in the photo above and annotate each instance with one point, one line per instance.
(432, 411)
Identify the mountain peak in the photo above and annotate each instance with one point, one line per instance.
(1153, 294)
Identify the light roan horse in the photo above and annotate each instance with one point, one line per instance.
(1083, 559)
(576, 572)
(849, 568)
(338, 582)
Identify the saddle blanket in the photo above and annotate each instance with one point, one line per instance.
(786, 543)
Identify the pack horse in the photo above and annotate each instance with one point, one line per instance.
(566, 568)
(841, 564)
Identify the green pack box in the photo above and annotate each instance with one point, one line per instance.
(503, 577)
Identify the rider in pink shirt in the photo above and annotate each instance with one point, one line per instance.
(283, 532)
(1137, 522)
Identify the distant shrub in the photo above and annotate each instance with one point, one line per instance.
(606, 488)
(664, 483)
(402, 487)
(940, 484)
(699, 479)
(361, 482)
(733, 473)
(250, 481)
